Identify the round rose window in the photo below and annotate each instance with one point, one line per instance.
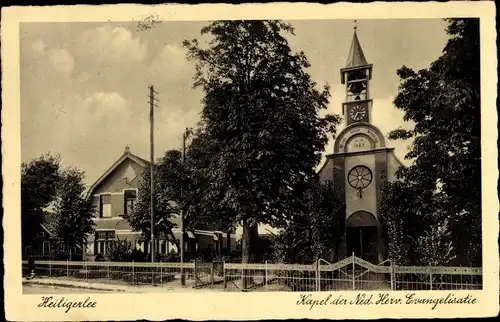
(359, 177)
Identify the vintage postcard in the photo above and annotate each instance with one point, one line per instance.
(259, 161)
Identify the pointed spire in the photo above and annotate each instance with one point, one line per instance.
(127, 149)
(356, 56)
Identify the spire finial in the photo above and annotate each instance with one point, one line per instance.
(356, 56)
(127, 149)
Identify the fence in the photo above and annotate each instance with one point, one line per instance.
(351, 273)
(130, 273)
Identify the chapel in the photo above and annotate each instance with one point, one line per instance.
(361, 162)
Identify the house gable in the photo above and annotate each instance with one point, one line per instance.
(125, 173)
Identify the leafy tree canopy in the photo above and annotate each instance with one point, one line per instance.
(39, 179)
(47, 189)
(261, 121)
(167, 182)
(444, 103)
(73, 211)
(315, 232)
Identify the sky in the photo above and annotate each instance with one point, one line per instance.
(84, 86)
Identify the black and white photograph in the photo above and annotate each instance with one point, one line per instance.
(236, 156)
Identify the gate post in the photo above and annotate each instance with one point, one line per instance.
(212, 274)
(430, 276)
(265, 276)
(316, 275)
(319, 276)
(195, 274)
(133, 273)
(391, 274)
(224, 274)
(67, 268)
(353, 273)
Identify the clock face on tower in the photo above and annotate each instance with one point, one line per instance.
(357, 112)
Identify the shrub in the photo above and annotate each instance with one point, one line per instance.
(169, 258)
(137, 256)
(119, 251)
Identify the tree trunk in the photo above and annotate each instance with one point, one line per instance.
(228, 243)
(250, 232)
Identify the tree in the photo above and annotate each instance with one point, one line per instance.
(39, 179)
(167, 197)
(262, 124)
(444, 103)
(49, 190)
(73, 211)
(315, 232)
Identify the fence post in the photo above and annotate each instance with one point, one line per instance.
(319, 276)
(86, 271)
(430, 276)
(212, 276)
(392, 275)
(153, 273)
(67, 268)
(224, 274)
(353, 273)
(161, 274)
(133, 274)
(265, 276)
(109, 280)
(195, 274)
(50, 268)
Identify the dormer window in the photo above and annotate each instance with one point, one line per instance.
(130, 200)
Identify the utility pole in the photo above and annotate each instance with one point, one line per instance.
(183, 158)
(152, 105)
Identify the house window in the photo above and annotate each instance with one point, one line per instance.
(106, 206)
(171, 248)
(90, 248)
(103, 240)
(130, 199)
(163, 247)
(217, 243)
(46, 248)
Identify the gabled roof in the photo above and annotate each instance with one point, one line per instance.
(46, 230)
(356, 56)
(49, 221)
(126, 155)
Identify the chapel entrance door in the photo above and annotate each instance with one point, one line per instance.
(362, 236)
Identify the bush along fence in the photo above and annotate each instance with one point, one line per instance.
(351, 273)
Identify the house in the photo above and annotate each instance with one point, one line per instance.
(44, 245)
(40, 246)
(114, 195)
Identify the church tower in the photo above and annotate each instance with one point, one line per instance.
(360, 163)
(356, 77)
